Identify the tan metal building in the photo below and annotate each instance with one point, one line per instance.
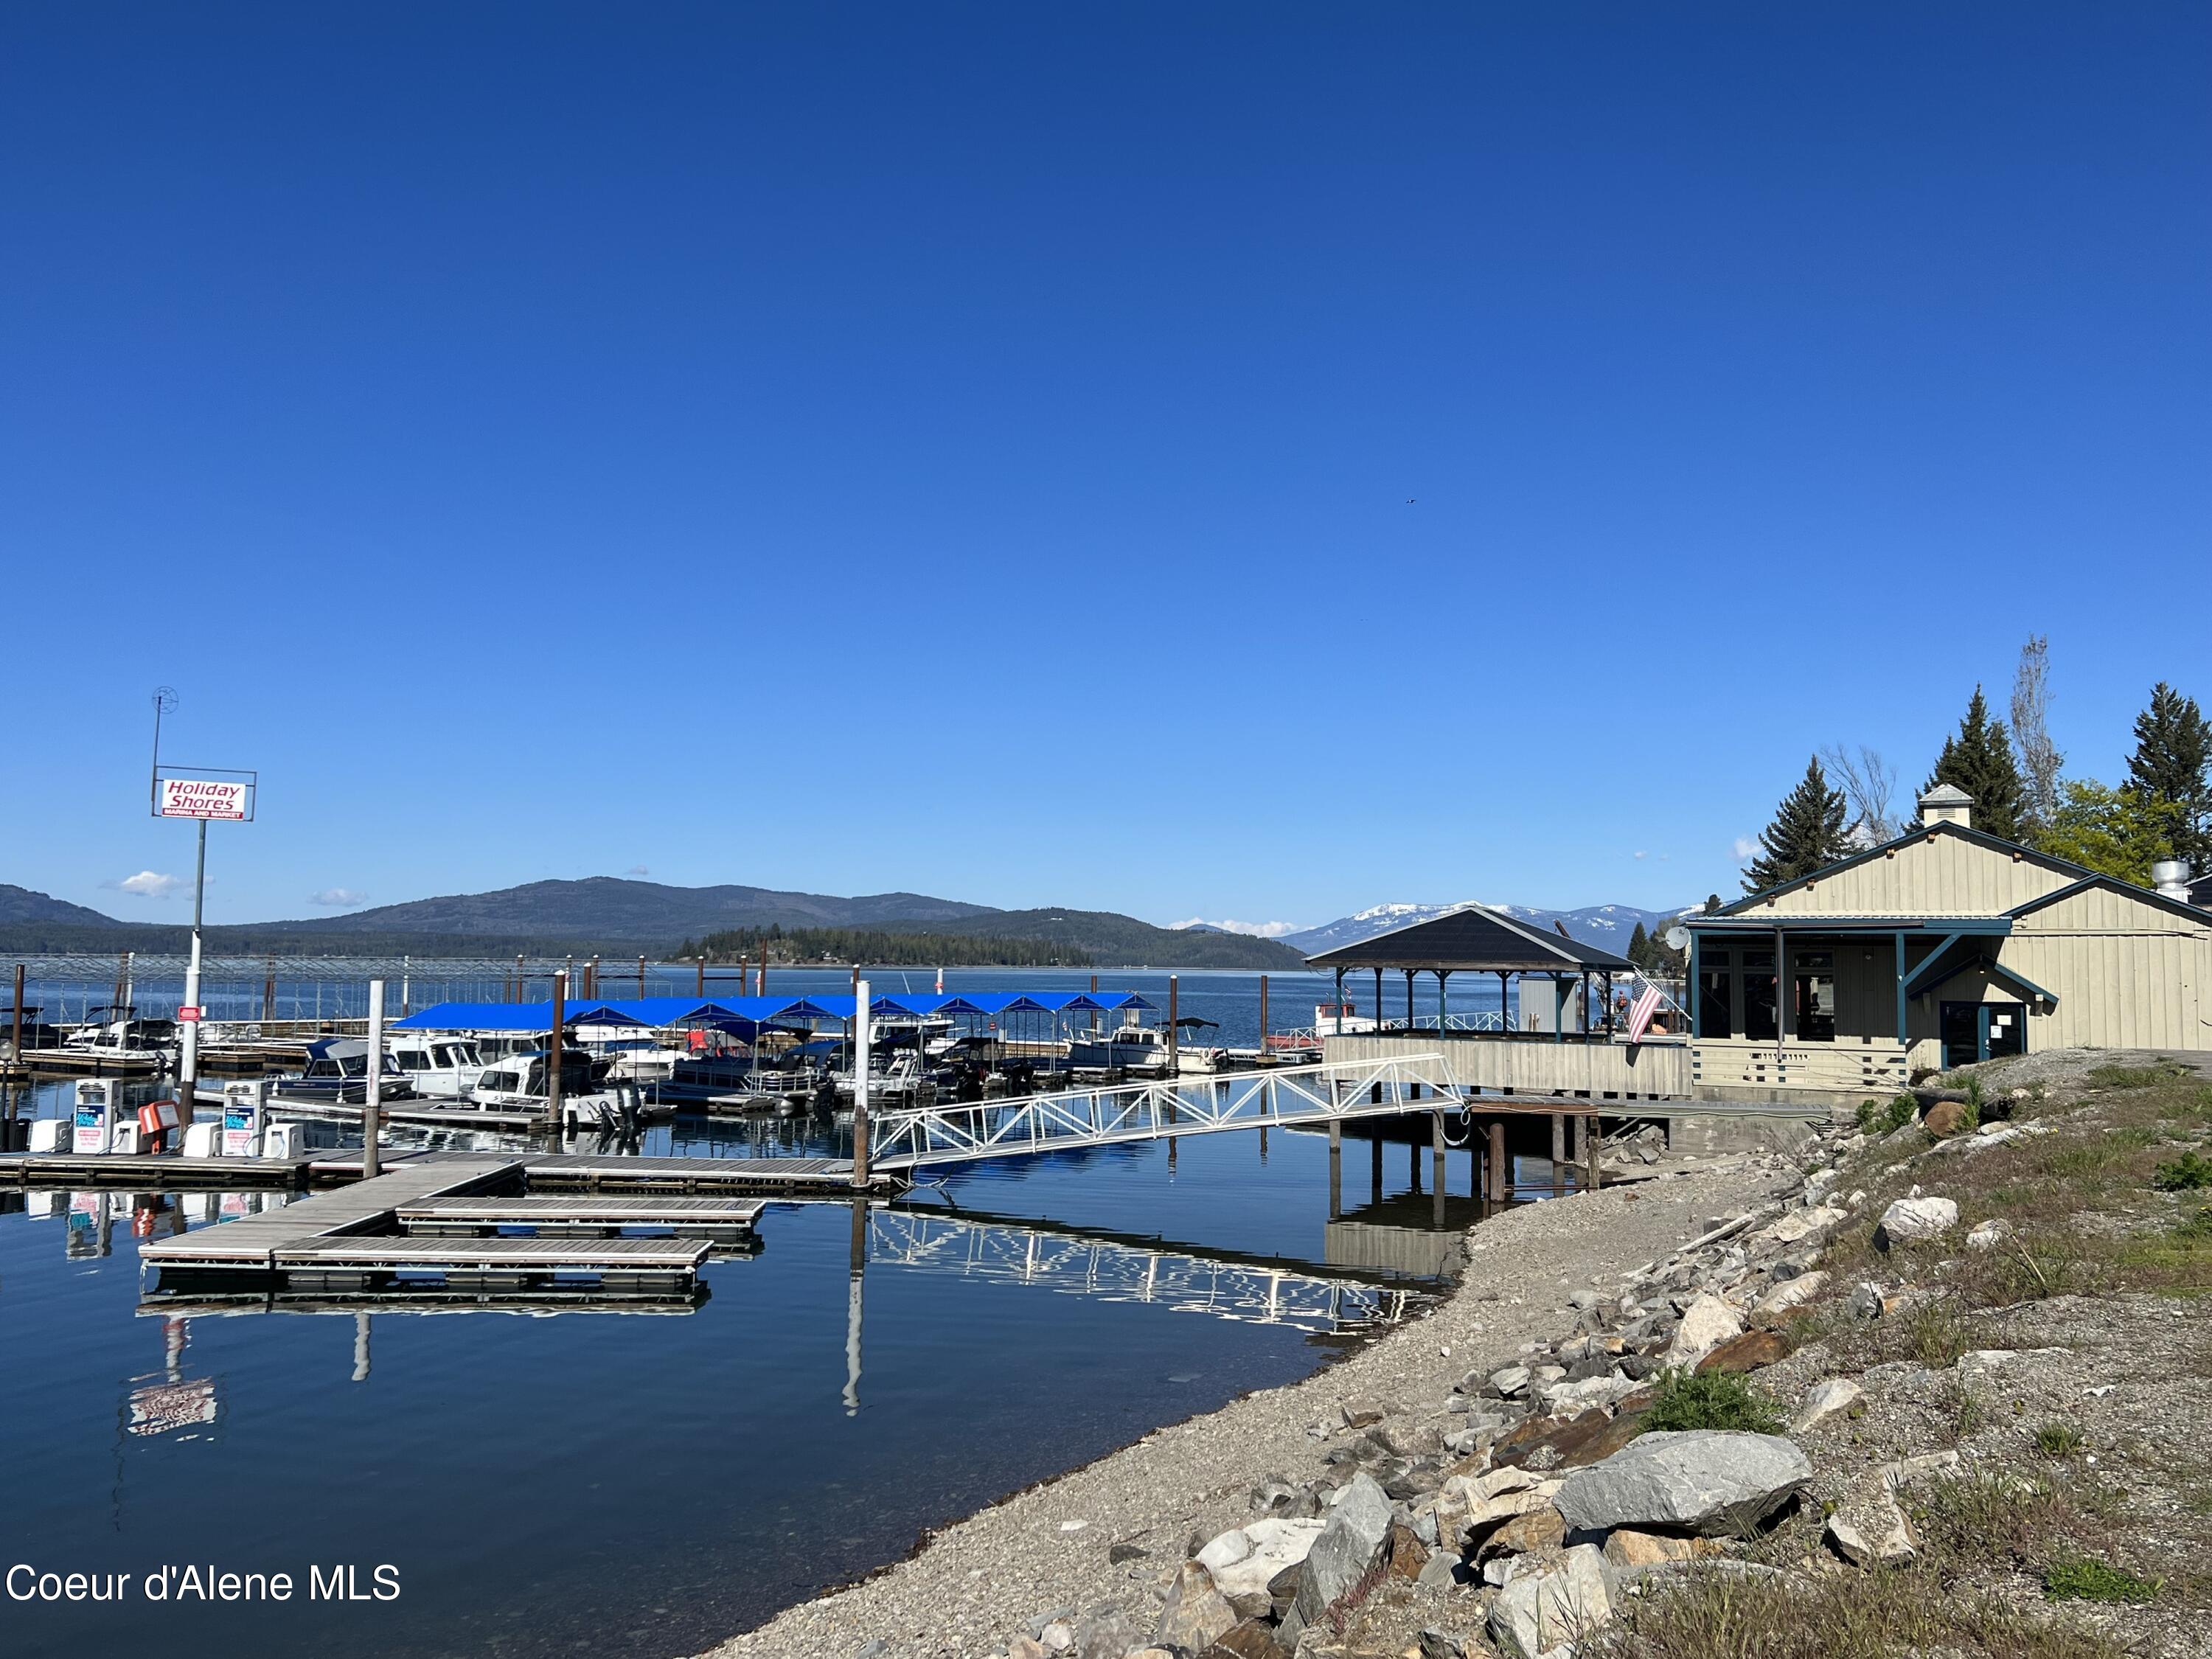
(1943, 946)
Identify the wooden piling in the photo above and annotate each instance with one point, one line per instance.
(699, 970)
(1501, 1178)
(1174, 1060)
(1263, 1017)
(860, 1046)
(1437, 1150)
(1336, 1167)
(1596, 1141)
(1558, 1150)
(553, 1054)
(16, 1020)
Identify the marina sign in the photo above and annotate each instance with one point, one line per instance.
(206, 797)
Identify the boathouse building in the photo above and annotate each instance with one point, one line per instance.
(1943, 946)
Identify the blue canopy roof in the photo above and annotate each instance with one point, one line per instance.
(509, 1017)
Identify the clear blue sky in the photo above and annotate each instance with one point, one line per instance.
(1245, 461)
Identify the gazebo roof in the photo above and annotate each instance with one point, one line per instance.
(1473, 939)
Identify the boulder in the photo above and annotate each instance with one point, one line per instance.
(1026, 1647)
(1566, 1399)
(1226, 1550)
(1748, 1352)
(1791, 1293)
(1707, 1323)
(1195, 1611)
(1406, 1553)
(1624, 1546)
(1435, 1644)
(1541, 1528)
(1837, 1393)
(1868, 1530)
(1533, 1614)
(1106, 1632)
(1989, 1234)
(1347, 1550)
(1705, 1480)
(1944, 1119)
(1253, 1639)
(1910, 1219)
(1507, 1381)
(1270, 1545)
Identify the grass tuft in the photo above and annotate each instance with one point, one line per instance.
(1718, 1400)
(2061, 1440)
(2184, 1174)
(2082, 1578)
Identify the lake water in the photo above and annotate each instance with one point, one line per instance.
(646, 1484)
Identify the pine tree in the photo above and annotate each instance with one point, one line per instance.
(1639, 947)
(2172, 770)
(1978, 759)
(1807, 834)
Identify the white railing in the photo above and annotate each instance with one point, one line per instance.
(909, 1137)
(1114, 1272)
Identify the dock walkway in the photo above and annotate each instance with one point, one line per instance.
(253, 1243)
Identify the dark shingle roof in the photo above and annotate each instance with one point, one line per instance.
(1475, 940)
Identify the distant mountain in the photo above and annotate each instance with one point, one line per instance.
(1113, 939)
(21, 904)
(634, 917)
(646, 912)
(1608, 926)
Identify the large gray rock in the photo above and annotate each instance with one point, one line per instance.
(1533, 1615)
(1350, 1544)
(1705, 1480)
(1196, 1613)
(1916, 1218)
(1242, 1562)
(1707, 1323)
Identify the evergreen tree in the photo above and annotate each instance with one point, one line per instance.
(2172, 770)
(2117, 831)
(1639, 948)
(1807, 834)
(1977, 758)
(1712, 904)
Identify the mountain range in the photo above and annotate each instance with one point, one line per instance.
(1608, 926)
(604, 913)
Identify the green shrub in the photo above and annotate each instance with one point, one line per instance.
(2183, 1174)
(2198, 1228)
(2081, 1578)
(1876, 1118)
(2059, 1440)
(1716, 1401)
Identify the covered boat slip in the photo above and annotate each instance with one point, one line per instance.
(1557, 1033)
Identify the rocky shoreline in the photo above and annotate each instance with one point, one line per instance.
(1093, 1557)
(1940, 1381)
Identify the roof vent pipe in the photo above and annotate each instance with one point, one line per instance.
(2170, 876)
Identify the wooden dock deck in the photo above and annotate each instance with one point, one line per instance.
(700, 1218)
(505, 1262)
(251, 1243)
(553, 1172)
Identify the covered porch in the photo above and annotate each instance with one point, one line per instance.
(1856, 1001)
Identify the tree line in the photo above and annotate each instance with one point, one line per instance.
(2017, 778)
(803, 946)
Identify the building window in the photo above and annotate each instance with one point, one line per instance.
(1756, 983)
(1813, 995)
(1713, 1003)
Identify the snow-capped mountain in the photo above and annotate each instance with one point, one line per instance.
(1608, 926)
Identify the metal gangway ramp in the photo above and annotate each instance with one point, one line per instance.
(909, 1138)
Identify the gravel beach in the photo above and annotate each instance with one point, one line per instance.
(1120, 1526)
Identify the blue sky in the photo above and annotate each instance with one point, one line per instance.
(1247, 461)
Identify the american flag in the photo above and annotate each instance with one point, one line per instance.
(1640, 1016)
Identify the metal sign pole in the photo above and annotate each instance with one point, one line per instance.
(188, 1060)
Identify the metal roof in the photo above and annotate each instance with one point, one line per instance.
(1474, 939)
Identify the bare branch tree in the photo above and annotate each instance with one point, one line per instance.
(1868, 782)
(2040, 759)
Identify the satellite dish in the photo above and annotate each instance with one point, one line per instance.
(1678, 937)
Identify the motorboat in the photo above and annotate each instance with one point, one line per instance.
(1132, 1048)
(1193, 1052)
(337, 1074)
(123, 1041)
(589, 1099)
(437, 1067)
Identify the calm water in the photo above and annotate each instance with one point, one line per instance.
(646, 1483)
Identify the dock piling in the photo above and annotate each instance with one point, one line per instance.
(372, 1102)
(860, 1034)
(553, 1054)
(1500, 1179)
(1595, 1140)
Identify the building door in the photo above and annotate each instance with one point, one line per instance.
(2004, 1030)
(1975, 1031)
